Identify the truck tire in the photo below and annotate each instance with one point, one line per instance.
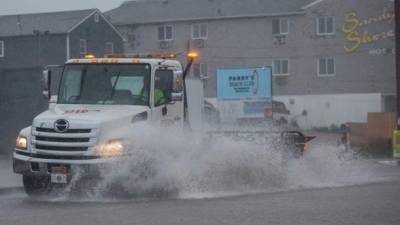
(36, 186)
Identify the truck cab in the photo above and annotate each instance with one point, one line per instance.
(98, 101)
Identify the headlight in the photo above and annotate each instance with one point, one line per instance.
(21, 143)
(111, 148)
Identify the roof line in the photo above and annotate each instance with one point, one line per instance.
(218, 18)
(113, 27)
(41, 13)
(314, 3)
(80, 22)
(29, 35)
(105, 19)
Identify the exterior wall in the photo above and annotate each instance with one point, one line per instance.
(230, 44)
(359, 71)
(20, 81)
(249, 42)
(20, 72)
(317, 111)
(366, 74)
(97, 34)
(20, 101)
(33, 51)
(312, 111)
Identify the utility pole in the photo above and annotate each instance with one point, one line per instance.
(397, 43)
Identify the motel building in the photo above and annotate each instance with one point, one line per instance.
(333, 61)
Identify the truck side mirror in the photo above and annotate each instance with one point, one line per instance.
(177, 80)
(47, 84)
(164, 110)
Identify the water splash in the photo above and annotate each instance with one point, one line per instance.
(171, 163)
(182, 165)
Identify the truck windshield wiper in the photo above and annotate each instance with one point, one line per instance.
(113, 87)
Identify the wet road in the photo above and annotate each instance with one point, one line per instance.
(319, 190)
(376, 203)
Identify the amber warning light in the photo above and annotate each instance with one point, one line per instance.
(89, 56)
(192, 55)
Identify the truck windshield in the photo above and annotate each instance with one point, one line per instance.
(105, 84)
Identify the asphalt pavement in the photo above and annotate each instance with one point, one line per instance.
(367, 204)
(363, 192)
(8, 180)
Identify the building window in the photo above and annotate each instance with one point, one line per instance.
(1, 48)
(109, 50)
(96, 18)
(280, 26)
(326, 66)
(83, 46)
(326, 25)
(199, 31)
(200, 70)
(281, 67)
(165, 33)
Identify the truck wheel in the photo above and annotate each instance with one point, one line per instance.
(36, 186)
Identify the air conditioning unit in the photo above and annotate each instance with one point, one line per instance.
(204, 77)
(199, 43)
(164, 44)
(280, 39)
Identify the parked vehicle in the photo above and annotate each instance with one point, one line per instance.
(280, 113)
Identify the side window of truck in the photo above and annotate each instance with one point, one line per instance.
(73, 84)
(163, 84)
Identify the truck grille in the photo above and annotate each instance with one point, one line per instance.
(65, 157)
(70, 131)
(57, 139)
(72, 140)
(59, 148)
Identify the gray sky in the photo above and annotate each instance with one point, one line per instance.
(34, 6)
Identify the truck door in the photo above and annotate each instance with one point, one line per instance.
(167, 106)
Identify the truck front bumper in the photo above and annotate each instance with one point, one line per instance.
(27, 164)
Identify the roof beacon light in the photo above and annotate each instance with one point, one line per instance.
(163, 55)
(192, 55)
(89, 56)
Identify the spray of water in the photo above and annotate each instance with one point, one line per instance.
(168, 162)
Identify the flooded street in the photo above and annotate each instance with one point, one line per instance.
(242, 187)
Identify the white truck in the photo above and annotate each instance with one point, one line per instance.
(96, 97)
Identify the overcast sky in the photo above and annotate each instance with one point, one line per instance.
(34, 6)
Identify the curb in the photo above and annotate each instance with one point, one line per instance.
(390, 162)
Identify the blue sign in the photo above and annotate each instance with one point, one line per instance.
(244, 83)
